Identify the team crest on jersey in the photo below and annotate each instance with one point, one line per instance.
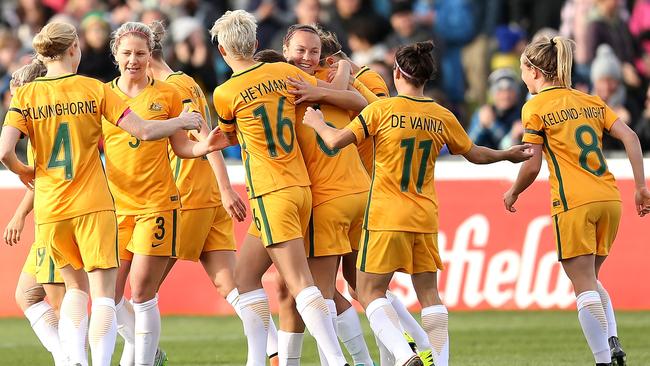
(155, 107)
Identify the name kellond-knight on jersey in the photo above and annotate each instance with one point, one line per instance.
(424, 123)
(563, 115)
(256, 91)
(60, 109)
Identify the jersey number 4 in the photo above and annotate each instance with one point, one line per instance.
(62, 147)
(280, 124)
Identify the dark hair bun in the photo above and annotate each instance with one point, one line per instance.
(158, 30)
(423, 48)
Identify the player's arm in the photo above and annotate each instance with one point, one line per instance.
(155, 130)
(484, 155)
(364, 91)
(527, 174)
(185, 148)
(15, 226)
(8, 140)
(231, 201)
(630, 140)
(344, 99)
(333, 137)
(341, 78)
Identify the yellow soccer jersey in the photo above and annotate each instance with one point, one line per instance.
(62, 117)
(139, 174)
(570, 125)
(194, 177)
(255, 103)
(333, 173)
(407, 135)
(373, 81)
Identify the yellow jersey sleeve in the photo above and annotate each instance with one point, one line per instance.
(225, 112)
(112, 106)
(364, 125)
(610, 117)
(15, 117)
(457, 140)
(373, 81)
(533, 126)
(365, 92)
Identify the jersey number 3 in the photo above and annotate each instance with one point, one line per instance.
(62, 147)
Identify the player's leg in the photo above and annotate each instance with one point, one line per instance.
(253, 262)
(606, 230)
(323, 270)
(435, 318)
(292, 328)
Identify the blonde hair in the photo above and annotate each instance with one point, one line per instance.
(28, 73)
(132, 28)
(553, 57)
(54, 39)
(236, 32)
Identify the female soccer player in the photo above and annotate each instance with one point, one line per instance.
(142, 182)
(61, 113)
(257, 98)
(568, 126)
(208, 203)
(339, 186)
(376, 89)
(38, 277)
(408, 132)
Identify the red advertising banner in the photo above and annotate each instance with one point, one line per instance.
(493, 258)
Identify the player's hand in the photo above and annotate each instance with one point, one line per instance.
(313, 117)
(27, 177)
(13, 230)
(509, 200)
(233, 204)
(217, 140)
(303, 91)
(519, 153)
(642, 201)
(193, 120)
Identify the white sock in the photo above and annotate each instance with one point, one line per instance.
(385, 357)
(147, 331)
(348, 328)
(411, 326)
(384, 323)
(609, 311)
(594, 324)
(126, 329)
(73, 326)
(272, 338)
(289, 348)
(102, 331)
(435, 321)
(331, 306)
(314, 312)
(45, 324)
(255, 314)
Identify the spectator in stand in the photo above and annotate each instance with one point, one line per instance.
(306, 12)
(365, 42)
(575, 20)
(642, 127)
(640, 29)
(9, 49)
(405, 29)
(493, 123)
(606, 78)
(607, 26)
(511, 41)
(32, 15)
(345, 14)
(191, 53)
(96, 58)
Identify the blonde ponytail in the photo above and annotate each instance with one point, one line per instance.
(552, 57)
(564, 60)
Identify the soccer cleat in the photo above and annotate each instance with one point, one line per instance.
(426, 357)
(618, 355)
(160, 359)
(412, 361)
(411, 342)
(274, 360)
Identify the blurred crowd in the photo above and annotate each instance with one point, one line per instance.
(478, 44)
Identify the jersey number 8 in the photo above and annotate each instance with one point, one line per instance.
(589, 148)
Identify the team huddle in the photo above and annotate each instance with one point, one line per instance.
(328, 157)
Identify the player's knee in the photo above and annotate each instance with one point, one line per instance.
(30, 296)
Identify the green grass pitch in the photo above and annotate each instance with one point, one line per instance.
(477, 338)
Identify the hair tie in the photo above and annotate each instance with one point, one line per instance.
(402, 70)
(553, 41)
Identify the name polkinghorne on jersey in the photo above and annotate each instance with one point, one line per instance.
(563, 115)
(59, 109)
(417, 123)
(255, 91)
